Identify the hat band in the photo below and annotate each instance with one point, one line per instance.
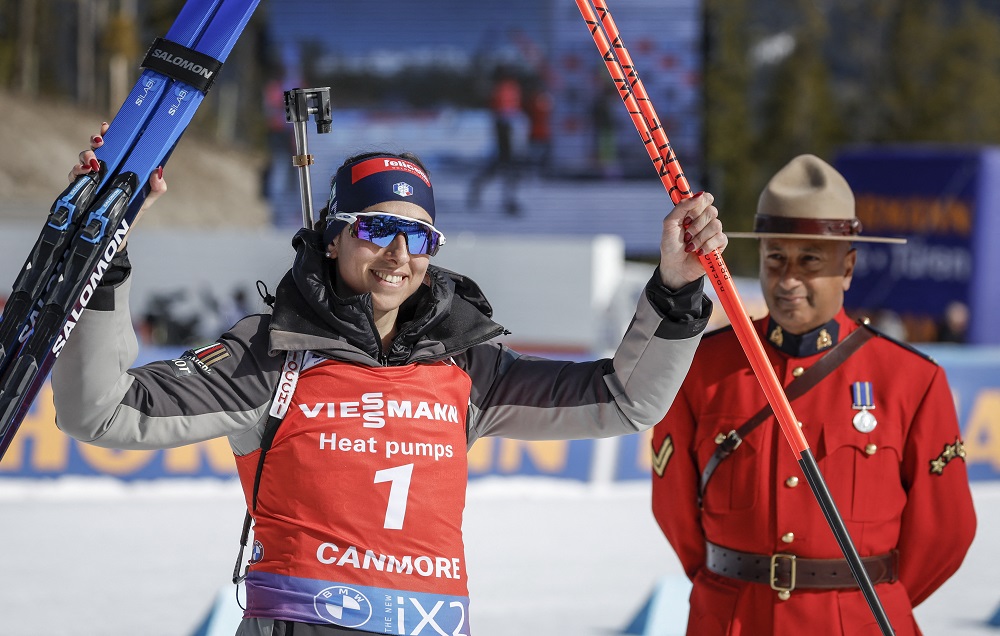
(819, 227)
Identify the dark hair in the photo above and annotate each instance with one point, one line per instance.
(408, 156)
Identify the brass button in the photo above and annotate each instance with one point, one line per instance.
(870, 449)
(721, 437)
(784, 595)
(788, 537)
(792, 481)
(797, 371)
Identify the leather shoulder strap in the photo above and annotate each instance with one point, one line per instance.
(823, 367)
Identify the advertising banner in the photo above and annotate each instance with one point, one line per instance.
(944, 202)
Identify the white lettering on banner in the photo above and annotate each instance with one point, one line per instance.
(374, 413)
(310, 413)
(392, 447)
(418, 449)
(347, 444)
(407, 166)
(349, 409)
(375, 410)
(428, 617)
(286, 383)
(941, 263)
(423, 565)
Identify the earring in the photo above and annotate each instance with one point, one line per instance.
(329, 254)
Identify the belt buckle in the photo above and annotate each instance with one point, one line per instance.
(774, 566)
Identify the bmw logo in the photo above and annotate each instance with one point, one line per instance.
(344, 606)
(258, 552)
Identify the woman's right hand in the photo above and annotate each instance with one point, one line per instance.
(88, 163)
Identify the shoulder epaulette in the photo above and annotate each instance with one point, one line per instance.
(864, 324)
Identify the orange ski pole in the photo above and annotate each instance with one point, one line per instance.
(640, 108)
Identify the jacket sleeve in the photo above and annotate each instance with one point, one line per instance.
(939, 521)
(100, 400)
(530, 398)
(676, 478)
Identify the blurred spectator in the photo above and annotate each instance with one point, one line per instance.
(181, 317)
(888, 322)
(538, 107)
(605, 148)
(954, 325)
(505, 104)
(235, 309)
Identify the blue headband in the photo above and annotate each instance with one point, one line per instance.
(373, 180)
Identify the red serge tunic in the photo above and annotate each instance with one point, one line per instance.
(899, 486)
(364, 527)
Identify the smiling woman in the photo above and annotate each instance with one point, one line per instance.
(373, 371)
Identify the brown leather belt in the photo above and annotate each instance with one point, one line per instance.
(786, 572)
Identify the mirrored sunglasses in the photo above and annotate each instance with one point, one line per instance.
(381, 228)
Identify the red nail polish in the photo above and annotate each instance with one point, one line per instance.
(96, 139)
(697, 194)
(95, 165)
(159, 172)
(701, 251)
(687, 221)
(687, 237)
(689, 247)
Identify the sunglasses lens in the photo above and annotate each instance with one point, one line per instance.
(382, 230)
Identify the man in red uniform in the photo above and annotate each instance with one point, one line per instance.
(727, 489)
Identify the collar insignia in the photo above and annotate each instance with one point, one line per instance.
(806, 344)
(823, 340)
(777, 337)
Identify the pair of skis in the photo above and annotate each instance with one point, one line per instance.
(89, 221)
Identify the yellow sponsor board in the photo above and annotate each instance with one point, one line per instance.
(40, 449)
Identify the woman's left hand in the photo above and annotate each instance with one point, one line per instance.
(87, 163)
(690, 230)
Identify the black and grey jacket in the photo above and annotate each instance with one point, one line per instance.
(99, 399)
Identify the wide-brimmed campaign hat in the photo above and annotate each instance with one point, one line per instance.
(808, 199)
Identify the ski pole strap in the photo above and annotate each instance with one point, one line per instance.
(810, 378)
(181, 63)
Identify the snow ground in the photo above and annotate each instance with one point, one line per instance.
(98, 557)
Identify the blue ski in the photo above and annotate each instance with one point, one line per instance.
(159, 110)
(23, 305)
